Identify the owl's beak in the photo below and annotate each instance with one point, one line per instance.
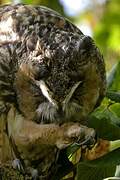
(46, 92)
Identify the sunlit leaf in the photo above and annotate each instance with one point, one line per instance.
(106, 125)
(85, 172)
(114, 96)
(117, 173)
(114, 39)
(110, 159)
(112, 178)
(111, 75)
(114, 78)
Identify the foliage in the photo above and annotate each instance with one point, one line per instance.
(107, 33)
(85, 172)
(108, 30)
(106, 121)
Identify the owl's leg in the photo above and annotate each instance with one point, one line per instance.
(17, 163)
(14, 154)
(5, 150)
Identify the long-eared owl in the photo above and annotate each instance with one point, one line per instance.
(49, 71)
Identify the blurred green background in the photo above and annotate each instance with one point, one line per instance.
(97, 18)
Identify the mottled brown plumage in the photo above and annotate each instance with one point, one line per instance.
(39, 44)
(49, 70)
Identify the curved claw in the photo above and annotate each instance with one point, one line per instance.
(88, 141)
(16, 164)
(35, 175)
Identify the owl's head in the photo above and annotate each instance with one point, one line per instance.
(56, 69)
(57, 66)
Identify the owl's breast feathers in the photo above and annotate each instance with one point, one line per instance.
(47, 62)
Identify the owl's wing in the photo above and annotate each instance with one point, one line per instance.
(94, 78)
(90, 64)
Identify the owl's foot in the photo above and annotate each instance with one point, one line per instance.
(34, 174)
(86, 137)
(76, 134)
(89, 139)
(16, 164)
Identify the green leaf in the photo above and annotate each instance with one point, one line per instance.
(106, 125)
(114, 78)
(115, 108)
(114, 96)
(110, 159)
(72, 149)
(117, 173)
(111, 75)
(100, 168)
(112, 178)
(85, 172)
(63, 166)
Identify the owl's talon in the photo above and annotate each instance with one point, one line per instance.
(35, 175)
(16, 164)
(90, 141)
(88, 138)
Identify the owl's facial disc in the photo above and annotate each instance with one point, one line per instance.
(52, 110)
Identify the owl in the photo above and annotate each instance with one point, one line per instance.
(49, 70)
(49, 64)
